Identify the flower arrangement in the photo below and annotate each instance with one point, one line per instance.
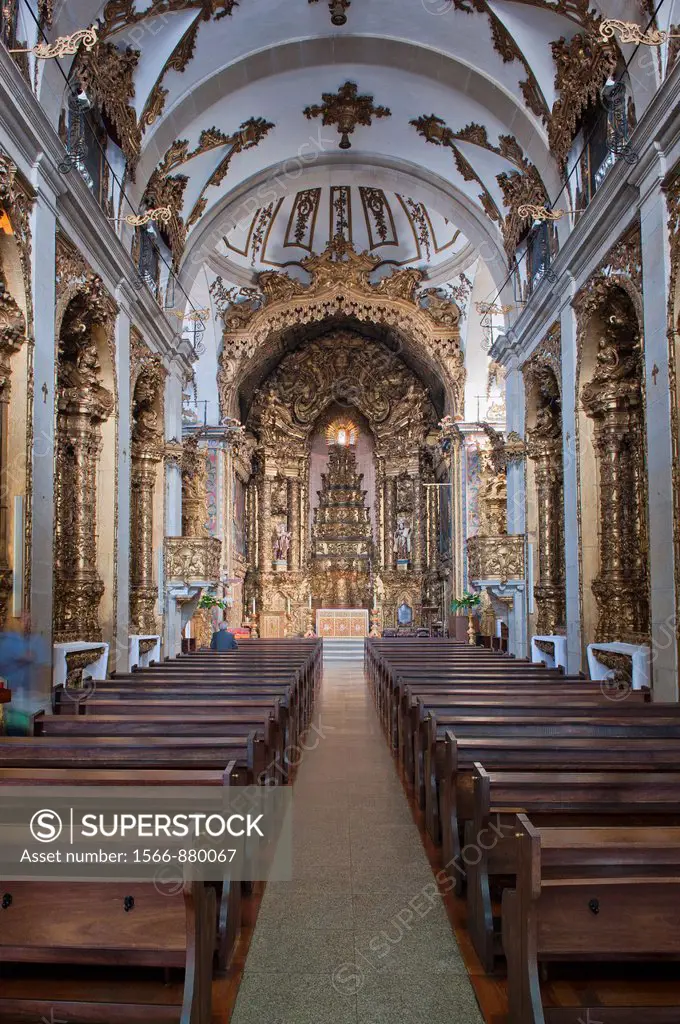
(209, 601)
(467, 603)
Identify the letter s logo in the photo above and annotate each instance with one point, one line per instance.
(46, 826)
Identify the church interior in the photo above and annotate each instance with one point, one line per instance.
(349, 330)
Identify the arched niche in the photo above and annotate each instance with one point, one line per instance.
(85, 576)
(611, 447)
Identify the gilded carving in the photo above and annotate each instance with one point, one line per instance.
(147, 449)
(346, 109)
(83, 403)
(168, 189)
(583, 65)
(496, 557)
(545, 450)
(613, 398)
(194, 498)
(193, 560)
(339, 286)
(106, 74)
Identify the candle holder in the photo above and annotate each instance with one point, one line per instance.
(254, 633)
(375, 622)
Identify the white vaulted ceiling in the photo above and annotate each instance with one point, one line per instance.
(215, 64)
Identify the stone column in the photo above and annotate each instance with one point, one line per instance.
(43, 261)
(294, 523)
(390, 503)
(658, 421)
(570, 471)
(12, 336)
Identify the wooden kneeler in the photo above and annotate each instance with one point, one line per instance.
(107, 924)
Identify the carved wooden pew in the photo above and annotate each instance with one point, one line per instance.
(590, 894)
(548, 798)
(238, 722)
(601, 720)
(99, 923)
(174, 752)
(228, 894)
(536, 755)
(414, 703)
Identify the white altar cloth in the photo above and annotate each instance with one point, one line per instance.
(641, 655)
(95, 670)
(560, 656)
(138, 660)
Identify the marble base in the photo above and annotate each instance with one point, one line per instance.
(94, 670)
(143, 660)
(641, 655)
(559, 657)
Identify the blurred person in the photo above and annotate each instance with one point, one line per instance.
(222, 639)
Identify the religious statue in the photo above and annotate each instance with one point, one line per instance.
(402, 539)
(487, 614)
(282, 539)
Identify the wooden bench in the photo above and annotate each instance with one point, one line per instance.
(590, 894)
(600, 722)
(549, 799)
(122, 923)
(535, 754)
(228, 894)
(237, 722)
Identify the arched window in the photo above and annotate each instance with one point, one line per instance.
(342, 432)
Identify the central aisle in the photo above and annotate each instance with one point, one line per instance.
(361, 935)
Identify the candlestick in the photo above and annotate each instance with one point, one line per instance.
(310, 603)
(253, 606)
(288, 606)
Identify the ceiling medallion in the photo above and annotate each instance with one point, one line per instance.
(539, 212)
(629, 32)
(337, 9)
(346, 109)
(161, 214)
(64, 45)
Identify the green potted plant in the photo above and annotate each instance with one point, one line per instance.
(209, 601)
(466, 606)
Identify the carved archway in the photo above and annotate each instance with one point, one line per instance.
(345, 376)
(86, 405)
(340, 292)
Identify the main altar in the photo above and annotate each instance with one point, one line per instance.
(345, 482)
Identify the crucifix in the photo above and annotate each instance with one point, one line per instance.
(655, 373)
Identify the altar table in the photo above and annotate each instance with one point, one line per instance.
(342, 623)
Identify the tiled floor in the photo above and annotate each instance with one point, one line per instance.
(360, 936)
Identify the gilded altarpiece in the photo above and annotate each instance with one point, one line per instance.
(334, 364)
(85, 401)
(611, 396)
(672, 190)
